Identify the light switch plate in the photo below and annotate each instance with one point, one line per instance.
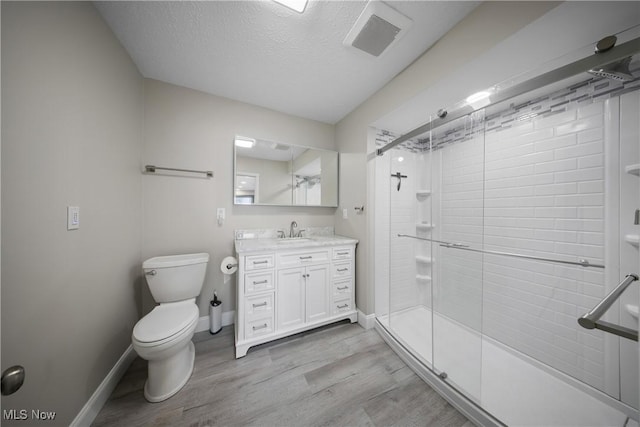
(73, 217)
(345, 213)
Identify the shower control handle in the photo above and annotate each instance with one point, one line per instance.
(399, 176)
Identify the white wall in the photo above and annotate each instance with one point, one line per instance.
(72, 130)
(189, 129)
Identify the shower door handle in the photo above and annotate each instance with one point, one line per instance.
(591, 319)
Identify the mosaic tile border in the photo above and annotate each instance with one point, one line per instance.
(572, 97)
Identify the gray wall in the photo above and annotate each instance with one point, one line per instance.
(72, 115)
(185, 128)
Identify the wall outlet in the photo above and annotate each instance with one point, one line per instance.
(73, 217)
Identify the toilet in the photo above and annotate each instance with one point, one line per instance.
(163, 337)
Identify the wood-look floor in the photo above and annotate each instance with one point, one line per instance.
(339, 375)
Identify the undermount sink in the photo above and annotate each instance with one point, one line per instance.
(293, 239)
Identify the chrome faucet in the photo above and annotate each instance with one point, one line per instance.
(281, 234)
(292, 232)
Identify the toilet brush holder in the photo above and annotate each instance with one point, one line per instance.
(215, 315)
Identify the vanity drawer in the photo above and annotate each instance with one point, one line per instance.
(257, 262)
(259, 307)
(341, 289)
(258, 327)
(342, 253)
(303, 258)
(342, 270)
(341, 306)
(258, 282)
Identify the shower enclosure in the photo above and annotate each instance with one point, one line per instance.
(496, 231)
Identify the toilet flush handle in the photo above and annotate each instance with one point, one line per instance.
(151, 273)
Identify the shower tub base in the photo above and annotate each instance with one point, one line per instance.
(517, 389)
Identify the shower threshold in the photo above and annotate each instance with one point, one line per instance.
(517, 390)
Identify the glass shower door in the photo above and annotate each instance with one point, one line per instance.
(458, 192)
(410, 258)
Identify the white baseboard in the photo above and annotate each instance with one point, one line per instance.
(367, 321)
(99, 397)
(95, 403)
(228, 318)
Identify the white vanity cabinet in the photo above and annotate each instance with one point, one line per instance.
(286, 290)
(303, 295)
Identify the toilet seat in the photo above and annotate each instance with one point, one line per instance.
(165, 323)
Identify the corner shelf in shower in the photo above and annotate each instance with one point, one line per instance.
(423, 278)
(633, 310)
(632, 239)
(422, 194)
(423, 259)
(633, 169)
(423, 226)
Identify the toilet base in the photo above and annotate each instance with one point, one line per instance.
(167, 377)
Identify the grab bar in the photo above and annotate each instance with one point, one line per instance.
(581, 263)
(591, 319)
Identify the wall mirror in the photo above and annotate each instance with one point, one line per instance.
(273, 173)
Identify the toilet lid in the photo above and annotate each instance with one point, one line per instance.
(165, 321)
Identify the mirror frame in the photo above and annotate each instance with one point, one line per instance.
(235, 174)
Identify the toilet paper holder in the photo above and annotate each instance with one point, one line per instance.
(229, 265)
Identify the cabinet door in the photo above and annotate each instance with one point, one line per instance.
(317, 298)
(290, 298)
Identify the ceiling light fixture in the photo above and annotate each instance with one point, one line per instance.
(479, 99)
(244, 142)
(297, 5)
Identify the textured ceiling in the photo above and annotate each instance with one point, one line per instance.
(261, 53)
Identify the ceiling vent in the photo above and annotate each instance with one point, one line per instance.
(377, 28)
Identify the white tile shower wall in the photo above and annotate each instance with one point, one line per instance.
(404, 292)
(458, 215)
(544, 185)
(407, 284)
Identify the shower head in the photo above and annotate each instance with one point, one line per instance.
(618, 70)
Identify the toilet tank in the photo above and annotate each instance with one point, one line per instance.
(175, 277)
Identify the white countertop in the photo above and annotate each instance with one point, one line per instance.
(261, 245)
